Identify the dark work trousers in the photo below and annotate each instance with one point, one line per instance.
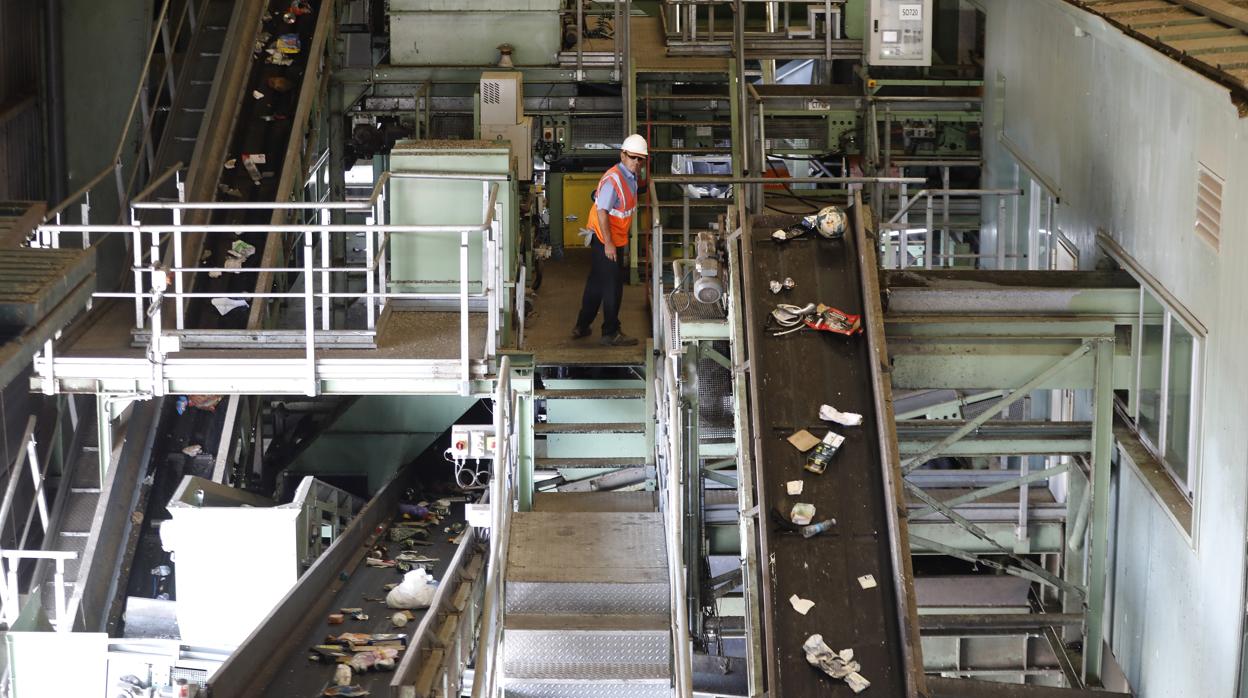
(605, 287)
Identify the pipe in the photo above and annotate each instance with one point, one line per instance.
(54, 102)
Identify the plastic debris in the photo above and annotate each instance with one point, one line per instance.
(257, 94)
(336, 618)
(787, 285)
(829, 319)
(193, 450)
(801, 605)
(802, 513)
(399, 619)
(818, 461)
(289, 44)
(815, 529)
(207, 403)
(794, 486)
(803, 440)
(830, 222)
(838, 665)
(775, 286)
(278, 58)
(342, 675)
(225, 305)
(415, 591)
(867, 581)
(845, 419)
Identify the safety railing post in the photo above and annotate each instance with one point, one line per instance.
(370, 303)
(62, 623)
(309, 328)
(1000, 233)
(928, 253)
(463, 314)
(41, 502)
(136, 245)
(12, 603)
(179, 303)
(326, 288)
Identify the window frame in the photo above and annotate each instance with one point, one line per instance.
(1186, 485)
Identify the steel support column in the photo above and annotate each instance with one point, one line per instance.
(1102, 445)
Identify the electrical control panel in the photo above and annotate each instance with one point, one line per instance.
(899, 32)
(472, 441)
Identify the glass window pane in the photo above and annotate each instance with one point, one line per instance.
(1151, 337)
(1179, 400)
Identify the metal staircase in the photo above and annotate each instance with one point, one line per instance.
(587, 609)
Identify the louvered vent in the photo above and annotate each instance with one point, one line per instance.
(490, 92)
(1209, 206)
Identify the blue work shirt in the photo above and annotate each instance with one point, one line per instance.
(606, 197)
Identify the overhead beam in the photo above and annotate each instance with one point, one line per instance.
(996, 489)
(1035, 295)
(997, 438)
(993, 363)
(971, 623)
(1018, 393)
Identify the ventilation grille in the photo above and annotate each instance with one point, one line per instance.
(1209, 206)
(491, 92)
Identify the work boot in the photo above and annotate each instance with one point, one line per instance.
(619, 339)
(580, 332)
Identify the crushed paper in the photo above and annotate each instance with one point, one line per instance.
(794, 486)
(803, 440)
(847, 419)
(866, 581)
(801, 605)
(838, 665)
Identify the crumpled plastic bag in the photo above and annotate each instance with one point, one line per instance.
(838, 665)
(415, 591)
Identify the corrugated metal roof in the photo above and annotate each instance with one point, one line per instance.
(1210, 36)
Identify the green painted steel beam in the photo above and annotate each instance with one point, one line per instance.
(1098, 542)
(903, 328)
(997, 438)
(998, 488)
(993, 364)
(1036, 296)
(1046, 537)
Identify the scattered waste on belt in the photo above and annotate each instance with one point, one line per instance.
(786, 285)
(790, 233)
(278, 83)
(414, 511)
(803, 440)
(262, 40)
(257, 94)
(229, 191)
(830, 222)
(336, 618)
(193, 450)
(278, 58)
(229, 165)
(802, 513)
(415, 591)
(342, 675)
(400, 619)
(845, 419)
(792, 318)
(237, 254)
(815, 529)
(249, 164)
(415, 557)
(838, 665)
(297, 9)
(454, 528)
(355, 613)
(346, 691)
(818, 461)
(801, 605)
(794, 486)
(402, 533)
(379, 562)
(289, 44)
(225, 305)
(866, 581)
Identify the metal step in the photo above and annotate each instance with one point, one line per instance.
(593, 394)
(522, 688)
(590, 428)
(552, 463)
(587, 648)
(603, 502)
(583, 563)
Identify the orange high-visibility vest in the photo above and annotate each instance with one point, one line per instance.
(620, 217)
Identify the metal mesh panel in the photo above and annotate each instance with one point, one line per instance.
(597, 130)
(451, 126)
(715, 414)
(196, 677)
(796, 133)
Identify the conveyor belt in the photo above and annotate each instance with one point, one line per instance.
(792, 376)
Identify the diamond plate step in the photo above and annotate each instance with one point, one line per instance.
(596, 501)
(590, 428)
(615, 689)
(587, 647)
(552, 463)
(592, 394)
(585, 563)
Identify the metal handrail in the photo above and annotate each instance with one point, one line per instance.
(898, 223)
(502, 495)
(682, 661)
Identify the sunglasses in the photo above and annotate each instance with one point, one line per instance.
(630, 156)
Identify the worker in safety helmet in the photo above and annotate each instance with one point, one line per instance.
(610, 221)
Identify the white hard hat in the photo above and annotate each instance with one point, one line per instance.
(636, 145)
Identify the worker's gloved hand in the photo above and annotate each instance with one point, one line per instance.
(587, 235)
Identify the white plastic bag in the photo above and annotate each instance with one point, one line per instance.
(415, 591)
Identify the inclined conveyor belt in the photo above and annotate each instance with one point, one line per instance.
(792, 376)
